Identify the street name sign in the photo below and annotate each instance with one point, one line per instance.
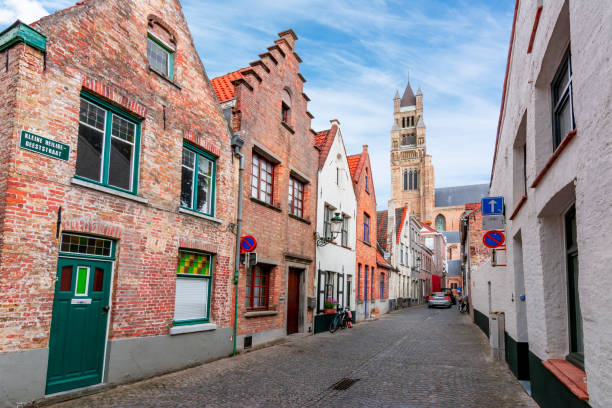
(42, 145)
(492, 206)
(494, 239)
(493, 222)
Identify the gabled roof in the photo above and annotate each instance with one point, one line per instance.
(452, 237)
(323, 141)
(460, 195)
(400, 217)
(382, 224)
(223, 86)
(428, 228)
(408, 99)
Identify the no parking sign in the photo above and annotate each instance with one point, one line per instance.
(248, 243)
(494, 239)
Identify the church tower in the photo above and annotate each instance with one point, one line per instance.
(412, 174)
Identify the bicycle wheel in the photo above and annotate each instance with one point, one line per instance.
(333, 325)
(343, 323)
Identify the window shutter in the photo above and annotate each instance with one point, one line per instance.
(321, 288)
(341, 289)
(191, 299)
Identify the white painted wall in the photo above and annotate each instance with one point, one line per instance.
(582, 173)
(333, 257)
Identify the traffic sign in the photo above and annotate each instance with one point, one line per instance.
(248, 243)
(492, 205)
(494, 239)
(493, 222)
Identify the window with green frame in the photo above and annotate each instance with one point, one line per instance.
(108, 146)
(161, 58)
(198, 171)
(193, 287)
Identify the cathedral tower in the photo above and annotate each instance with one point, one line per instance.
(412, 174)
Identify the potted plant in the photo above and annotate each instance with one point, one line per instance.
(329, 305)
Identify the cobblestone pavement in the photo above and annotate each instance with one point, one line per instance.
(416, 357)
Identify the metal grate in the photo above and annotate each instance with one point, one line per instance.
(344, 384)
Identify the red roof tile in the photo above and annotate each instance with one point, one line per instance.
(428, 227)
(400, 217)
(223, 86)
(353, 161)
(381, 261)
(381, 223)
(323, 140)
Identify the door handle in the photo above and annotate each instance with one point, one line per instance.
(105, 308)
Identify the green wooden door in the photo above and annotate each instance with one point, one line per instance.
(79, 324)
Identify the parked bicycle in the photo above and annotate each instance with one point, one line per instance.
(464, 305)
(341, 320)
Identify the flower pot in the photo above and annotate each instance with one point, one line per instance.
(330, 311)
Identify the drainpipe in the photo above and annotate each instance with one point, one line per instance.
(237, 143)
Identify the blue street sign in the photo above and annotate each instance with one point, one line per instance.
(492, 205)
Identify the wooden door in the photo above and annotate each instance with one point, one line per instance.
(79, 324)
(293, 300)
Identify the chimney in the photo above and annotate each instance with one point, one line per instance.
(289, 36)
(365, 148)
(335, 122)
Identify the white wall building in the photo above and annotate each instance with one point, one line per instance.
(553, 166)
(336, 260)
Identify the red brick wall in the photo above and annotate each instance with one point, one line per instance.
(106, 42)
(478, 252)
(257, 115)
(366, 204)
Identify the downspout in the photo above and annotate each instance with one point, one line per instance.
(237, 143)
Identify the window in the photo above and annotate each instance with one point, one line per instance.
(372, 283)
(415, 183)
(86, 245)
(366, 183)
(366, 228)
(576, 352)
(340, 289)
(563, 110)
(349, 287)
(382, 285)
(410, 180)
(345, 224)
(440, 223)
(405, 180)
(262, 179)
(197, 180)
(107, 147)
(286, 107)
(358, 296)
(296, 197)
(193, 281)
(327, 216)
(453, 286)
(401, 256)
(160, 57)
(257, 287)
(365, 286)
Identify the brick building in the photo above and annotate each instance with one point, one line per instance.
(267, 106)
(115, 257)
(370, 280)
(436, 242)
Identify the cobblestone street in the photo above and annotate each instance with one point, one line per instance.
(417, 357)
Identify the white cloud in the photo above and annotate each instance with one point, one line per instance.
(27, 11)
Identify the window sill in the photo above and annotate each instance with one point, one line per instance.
(270, 206)
(553, 158)
(261, 313)
(192, 328)
(165, 78)
(295, 217)
(97, 187)
(289, 128)
(199, 215)
(570, 376)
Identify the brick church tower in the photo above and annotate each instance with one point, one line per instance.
(412, 174)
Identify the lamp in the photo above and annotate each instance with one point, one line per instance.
(334, 230)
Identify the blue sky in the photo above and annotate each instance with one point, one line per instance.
(356, 54)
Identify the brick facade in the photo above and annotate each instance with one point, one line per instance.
(255, 96)
(361, 170)
(100, 47)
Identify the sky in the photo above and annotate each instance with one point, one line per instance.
(356, 54)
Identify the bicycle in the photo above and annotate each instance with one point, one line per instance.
(464, 307)
(340, 320)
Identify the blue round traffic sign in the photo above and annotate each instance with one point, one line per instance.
(248, 243)
(493, 239)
